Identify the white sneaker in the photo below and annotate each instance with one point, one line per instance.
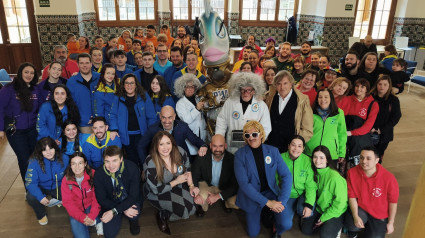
(99, 229)
(43, 221)
(339, 234)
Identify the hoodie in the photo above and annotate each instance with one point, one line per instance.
(374, 193)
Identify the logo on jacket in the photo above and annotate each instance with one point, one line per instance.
(255, 107)
(376, 192)
(363, 112)
(236, 115)
(268, 159)
(180, 169)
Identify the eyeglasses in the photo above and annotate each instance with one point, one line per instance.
(189, 86)
(247, 90)
(253, 134)
(129, 83)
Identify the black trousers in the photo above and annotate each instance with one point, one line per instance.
(376, 228)
(329, 229)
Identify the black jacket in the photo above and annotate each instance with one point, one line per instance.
(388, 116)
(104, 189)
(202, 171)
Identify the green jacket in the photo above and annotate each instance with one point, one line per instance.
(302, 177)
(331, 133)
(332, 194)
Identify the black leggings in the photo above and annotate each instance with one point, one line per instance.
(329, 229)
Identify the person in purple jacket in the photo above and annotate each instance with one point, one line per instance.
(19, 104)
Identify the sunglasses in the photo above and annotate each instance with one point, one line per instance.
(254, 135)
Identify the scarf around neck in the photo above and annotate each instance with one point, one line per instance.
(119, 192)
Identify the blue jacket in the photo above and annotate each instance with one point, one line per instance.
(119, 116)
(181, 132)
(70, 145)
(35, 178)
(168, 76)
(11, 107)
(102, 102)
(120, 74)
(46, 121)
(83, 96)
(183, 71)
(45, 90)
(168, 102)
(94, 152)
(249, 197)
(130, 58)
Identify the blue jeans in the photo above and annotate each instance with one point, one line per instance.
(293, 204)
(79, 230)
(23, 144)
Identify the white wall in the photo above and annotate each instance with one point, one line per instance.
(57, 7)
(84, 6)
(312, 7)
(415, 9)
(336, 8)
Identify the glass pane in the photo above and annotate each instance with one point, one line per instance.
(361, 4)
(180, 9)
(111, 14)
(251, 7)
(378, 15)
(380, 5)
(282, 15)
(359, 17)
(375, 32)
(127, 9)
(356, 31)
(368, 5)
(387, 5)
(123, 13)
(245, 14)
(106, 9)
(267, 10)
(385, 17)
(17, 21)
(382, 32)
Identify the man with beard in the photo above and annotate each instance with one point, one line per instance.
(81, 86)
(245, 54)
(251, 42)
(181, 33)
(350, 67)
(284, 61)
(213, 173)
(176, 55)
(305, 52)
(99, 141)
(69, 67)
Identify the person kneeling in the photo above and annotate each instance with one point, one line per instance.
(43, 178)
(117, 189)
(215, 176)
(169, 187)
(79, 198)
(373, 193)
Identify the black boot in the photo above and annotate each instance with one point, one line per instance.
(199, 211)
(162, 223)
(134, 227)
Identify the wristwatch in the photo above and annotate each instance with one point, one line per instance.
(114, 212)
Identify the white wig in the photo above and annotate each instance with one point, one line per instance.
(242, 79)
(182, 81)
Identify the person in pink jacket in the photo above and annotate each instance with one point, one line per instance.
(78, 197)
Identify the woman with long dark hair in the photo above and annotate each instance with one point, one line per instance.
(78, 197)
(388, 116)
(71, 140)
(43, 177)
(131, 114)
(19, 104)
(332, 197)
(329, 127)
(105, 91)
(53, 113)
(160, 94)
(167, 171)
(46, 86)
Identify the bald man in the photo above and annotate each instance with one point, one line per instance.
(178, 129)
(368, 46)
(215, 177)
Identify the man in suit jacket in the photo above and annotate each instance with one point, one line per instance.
(178, 129)
(214, 175)
(256, 166)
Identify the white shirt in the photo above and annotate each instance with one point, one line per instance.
(284, 101)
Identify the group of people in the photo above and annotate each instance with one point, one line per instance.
(99, 135)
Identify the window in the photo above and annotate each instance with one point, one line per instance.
(266, 10)
(125, 12)
(372, 18)
(190, 9)
(17, 21)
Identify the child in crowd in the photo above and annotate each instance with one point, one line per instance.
(399, 75)
(73, 46)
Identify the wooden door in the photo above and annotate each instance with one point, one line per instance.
(19, 40)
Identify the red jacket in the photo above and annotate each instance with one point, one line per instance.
(311, 94)
(258, 48)
(375, 193)
(67, 71)
(74, 198)
(351, 106)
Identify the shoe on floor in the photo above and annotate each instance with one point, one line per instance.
(199, 211)
(43, 221)
(99, 229)
(134, 227)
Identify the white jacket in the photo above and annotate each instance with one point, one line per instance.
(231, 118)
(188, 113)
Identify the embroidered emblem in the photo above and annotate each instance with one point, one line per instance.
(236, 115)
(377, 192)
(268, 159)
(255, 107)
